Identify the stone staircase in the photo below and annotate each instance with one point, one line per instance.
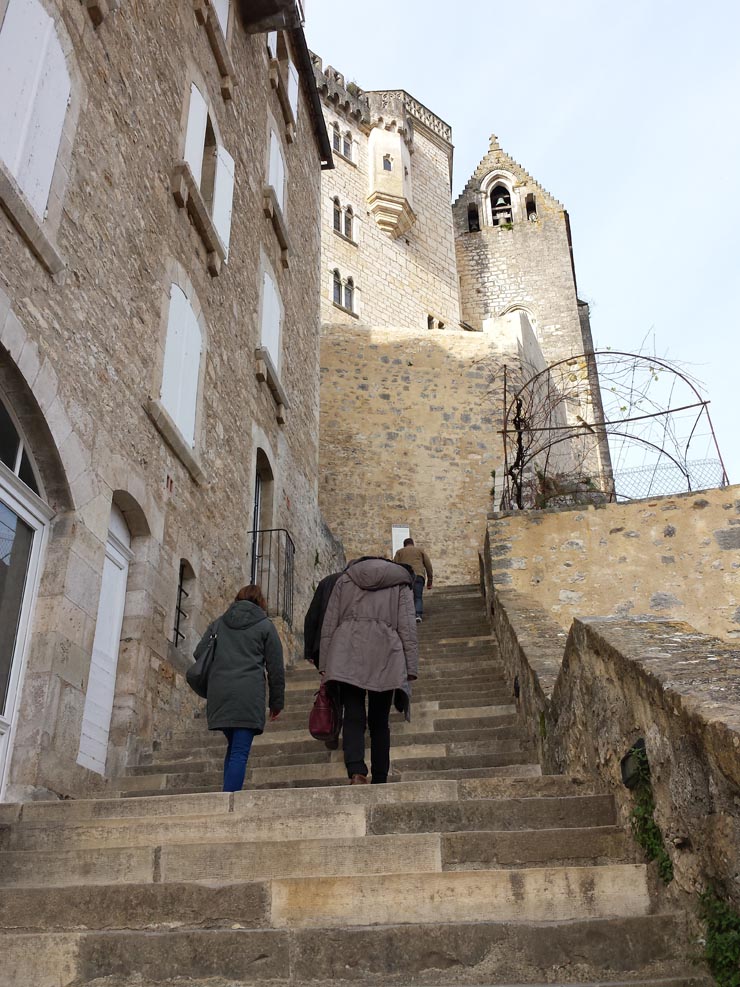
(470, 868)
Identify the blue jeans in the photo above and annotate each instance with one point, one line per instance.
(418, 593)
(235, 763)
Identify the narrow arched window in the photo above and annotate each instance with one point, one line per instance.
(387, 162)
(501, 214)
(349, 295)
(531, 204)
(184, 602)
(34, 95)
(181, 371)
(347, 145)
(348, 222)
(337, 287)
(473, 218)
(13, 451)
(337, 210)
(336, 138)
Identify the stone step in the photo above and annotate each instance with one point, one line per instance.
(169, 856)
(506, 952)
(531, 770)
(547, 894)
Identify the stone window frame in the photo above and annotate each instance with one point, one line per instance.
(40, 233)
(335, 203)
(334, 126)
(220, 43)
(189, 456)
(280, 64)
(354, 312)
(270, 204)
(186, 191)
(265, 370)
(499, 176)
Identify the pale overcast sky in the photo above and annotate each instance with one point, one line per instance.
(627, 112)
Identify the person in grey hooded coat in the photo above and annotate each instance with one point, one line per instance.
(369, 649)
(248, 651)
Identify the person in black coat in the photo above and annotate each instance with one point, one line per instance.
(248, 649)
(314, 619)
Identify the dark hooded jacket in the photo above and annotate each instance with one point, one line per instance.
(248, 649)
(368, 637)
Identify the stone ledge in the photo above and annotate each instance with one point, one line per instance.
(266, 373)
(188, 195)
(206, 16)
(172, 436)
(28, 224)
(271, 209)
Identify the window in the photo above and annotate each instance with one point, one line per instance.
(101, 683)
(276, 173)
(336, 138)
(430, 322)
(337, 210)
(185, 581)
(221, 8)
(293, 87)
(348, 222)
(271, 319)
(34, 95)
(337, 287)
(181, 372)
(212, 170)
(13, 452)
(213, 15)
(347, 145)
(272, 44)
(387, 162)
(349, 295)
(473, 218)
(501, 213)
(531, 205)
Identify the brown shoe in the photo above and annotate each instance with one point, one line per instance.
(358, 780)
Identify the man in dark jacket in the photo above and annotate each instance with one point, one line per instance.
(315, 617)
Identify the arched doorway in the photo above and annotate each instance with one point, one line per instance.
(24, 519)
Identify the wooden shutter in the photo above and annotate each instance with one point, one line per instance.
(277, 169)
(272, 43)
(222, 13)
(34, 92)
(181, 370)
(271, 319)
(293, 88)
(223, 194)
(195, 138)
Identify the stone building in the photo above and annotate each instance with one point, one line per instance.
(421, 301)
(160, 173)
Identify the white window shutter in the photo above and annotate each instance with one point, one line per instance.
(177, 320)
(41, 149)
(195, 138)
(193, 345)
(277, 169)
(293, 88)
(23, 40)
(223, 195)
(222, 13)
(272, 43)
(271, 319)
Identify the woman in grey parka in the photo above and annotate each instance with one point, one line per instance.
(248, 649)
(369, 648)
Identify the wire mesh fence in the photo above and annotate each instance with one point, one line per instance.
(664, 479)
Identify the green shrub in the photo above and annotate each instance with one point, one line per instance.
(722, 946)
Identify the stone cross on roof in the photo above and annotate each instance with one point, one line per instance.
(494, 144)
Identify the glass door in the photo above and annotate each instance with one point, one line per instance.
(21, 533)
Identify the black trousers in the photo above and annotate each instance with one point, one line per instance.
(356, 719)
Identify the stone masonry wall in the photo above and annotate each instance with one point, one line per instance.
(82, 352)
(672, 556)
(408, 436)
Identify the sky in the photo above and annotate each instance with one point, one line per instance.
(628, 113)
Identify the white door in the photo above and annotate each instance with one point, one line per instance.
(400, 532)
(101, 684)
(23, 520)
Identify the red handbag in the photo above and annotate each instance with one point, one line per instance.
(324, 720)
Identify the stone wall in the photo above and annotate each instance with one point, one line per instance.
(408, 436)
(80, 357)
(670, 556)
(620, 680)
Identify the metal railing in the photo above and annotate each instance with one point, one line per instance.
(272, 567)
(664, 479)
